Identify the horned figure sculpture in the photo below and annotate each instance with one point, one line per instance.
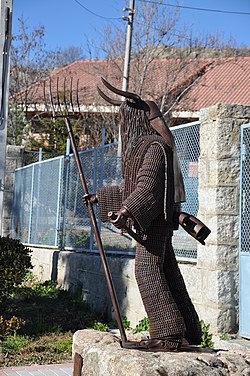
(149, 201)
(139, 118)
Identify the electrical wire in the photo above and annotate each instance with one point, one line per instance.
(97, 15)
(194, 8)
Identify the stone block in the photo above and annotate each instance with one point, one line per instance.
(207, 200)
(235, 111)
(219, 289)
(192, 277)
(228, 171)
(15, 152)
(10, 165)
(227, 200)
(208, 114)
(227, 229)
(8, 182)
(221, 321)
(224, 228)
(42, 261)
(228, 139)
(208, 141)
(223, 172)
(218, 257)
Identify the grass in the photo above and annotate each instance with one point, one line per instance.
(41, 320)
(50, 317)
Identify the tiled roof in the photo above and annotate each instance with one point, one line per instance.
(196, 83)
(225, 81)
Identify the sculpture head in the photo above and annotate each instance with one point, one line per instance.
(137, 117)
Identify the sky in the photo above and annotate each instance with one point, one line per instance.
(68, 22)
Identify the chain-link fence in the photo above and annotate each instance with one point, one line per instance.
(245, 192)
(39, 155)
(47, 203)
(187, 138)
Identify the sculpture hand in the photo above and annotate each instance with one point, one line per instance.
(90, 198)
(119, 219)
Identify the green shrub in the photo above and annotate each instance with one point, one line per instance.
(46, 288)
(15, 261)
(125, 322)
(63, 345)
(206, 336)
(225, 337)
(143, 326)
(14, 343)
(10, 326)
(100, 326)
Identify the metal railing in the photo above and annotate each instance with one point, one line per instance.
(47, 201)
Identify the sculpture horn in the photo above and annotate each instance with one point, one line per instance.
(107, 99)
(125, 94)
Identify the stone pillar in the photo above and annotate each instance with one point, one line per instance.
(219, 189)
(14, 159)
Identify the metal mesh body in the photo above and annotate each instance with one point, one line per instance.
(147, 191)
(163, 313)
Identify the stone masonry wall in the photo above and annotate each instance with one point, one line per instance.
(14, 159)
(219, 189)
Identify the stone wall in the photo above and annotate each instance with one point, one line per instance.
(83, 273)
(14, 159)
(219, 190)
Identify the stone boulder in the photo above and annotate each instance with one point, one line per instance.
(102, 355)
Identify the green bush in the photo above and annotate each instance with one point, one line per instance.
(14, 343)
(15, 261)
(10, 326)
(206, 336)
(143, 326)
(100, 326)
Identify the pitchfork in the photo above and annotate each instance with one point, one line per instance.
(65, 110)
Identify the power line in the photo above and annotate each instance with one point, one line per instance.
(97, 15)
(194, 8)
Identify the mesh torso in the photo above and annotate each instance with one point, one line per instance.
(147, 192)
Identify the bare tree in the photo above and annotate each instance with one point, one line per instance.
(31, 62)
(157, 34)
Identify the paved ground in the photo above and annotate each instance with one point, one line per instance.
(39, 370)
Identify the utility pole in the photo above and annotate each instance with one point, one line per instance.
(129, 19)
(125, 79)
(5, 40)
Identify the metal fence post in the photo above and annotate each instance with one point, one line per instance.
(60, 182)
(31, 203)
(65, 181)
(40, 156)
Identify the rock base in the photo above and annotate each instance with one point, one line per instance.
(102, 355)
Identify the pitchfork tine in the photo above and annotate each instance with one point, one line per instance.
(64, 97)
(71, 94)
(58, 99)
(77, 97)
(44, 95)
(51, 100)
